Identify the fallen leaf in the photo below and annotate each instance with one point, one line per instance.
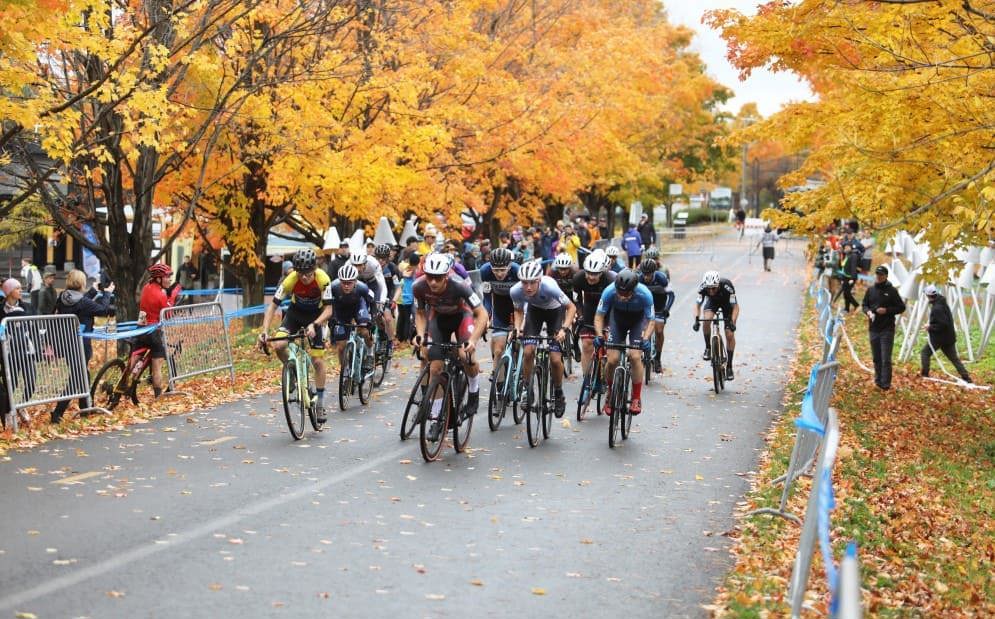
(476, 582)
(538, 591)
(434, 596)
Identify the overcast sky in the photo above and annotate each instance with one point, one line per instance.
(769, 90)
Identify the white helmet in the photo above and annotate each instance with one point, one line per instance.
(563, 261)
(347, 273)
(358, 258)
(595, 262)
(438, 264)
(530, 271)
(612, 251)
(710, 279)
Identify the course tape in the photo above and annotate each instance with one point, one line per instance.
(124, 330)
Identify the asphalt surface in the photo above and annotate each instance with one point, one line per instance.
(218, 513)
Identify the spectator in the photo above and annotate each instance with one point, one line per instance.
(20, 344)
(594, 234)
(86, 306)
(546, 241)
(867, 242)
(471, 254)
(485, 250)
(768, 241)
(569, 243)
(603, 230)
(847, 274)
(427, 246)
(32, 282)
(582, 232)
(47, 295)
(942, 335)
(632, 243)
(340, 259)
(188, 273)
(410, 247)
(881, 304)
(504, 240)
(406, 298)
(646, 231)
(371, 248)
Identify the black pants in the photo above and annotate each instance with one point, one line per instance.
(404, 322)
(950, 350)
(848, 298)
(634, 261)
(882, 343)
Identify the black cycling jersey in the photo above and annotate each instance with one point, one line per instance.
(587, 296)
(391, 276)
(725, 295)
(663, 298)
(566, 283)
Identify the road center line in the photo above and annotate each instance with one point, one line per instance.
(143, 551)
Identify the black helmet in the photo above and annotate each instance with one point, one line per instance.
(382, 251)
(501, 257)
(305, 260)
(648, 266)
(626, 280)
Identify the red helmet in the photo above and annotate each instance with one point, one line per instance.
(160, 269)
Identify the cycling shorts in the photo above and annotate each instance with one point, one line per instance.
(535, 318)
(442, 327)
(626, 326)
(296, 319)
(360, 316)
(500, 325)
(152, 341)
(659, 318)
(711, 306)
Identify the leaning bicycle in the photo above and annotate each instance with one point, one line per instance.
(452, 388)
(297, 386)
(506, 384)
(127, 376)
(621, 415)
(717, 350)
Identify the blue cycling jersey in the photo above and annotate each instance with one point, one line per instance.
(497, 292)
(548, 296)
(641, 302)
(663, 298)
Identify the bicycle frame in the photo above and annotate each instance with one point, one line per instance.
(514, 352)
(302, 362)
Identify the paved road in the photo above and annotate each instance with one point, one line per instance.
(219, 514)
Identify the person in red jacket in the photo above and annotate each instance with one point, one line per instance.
(157, 295)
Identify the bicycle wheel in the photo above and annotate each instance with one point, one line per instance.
(104, 391)
(345, 377)
(717, 369)
(547, 404)
(517, 405)
(497, 400)
(312, 409)
(625, 420)
(533, 406)
(461, 424)
(648, 360)
(293, 403)
(618, 407)
(380, 361)
(599, 383)
(411, 409)
(568, 354)
(141, 388)
(366, 385)
(430, 449)
(584, 399)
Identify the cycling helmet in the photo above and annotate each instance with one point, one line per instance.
(648, 267)
(595, 262)
(358, 258)
(652, 253)
(626, 281)
(382, 251)
(710, 279)
(612, 251)
(160, 269)
(519, 257)
(305, 260)
(348, 273)
(563, 261)
(438, 264)
(501, 258)
(530, 271)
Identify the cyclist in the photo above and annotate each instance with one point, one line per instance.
(446, 305)
(613, 252)
(717, 293)
(391, 276)
(587, 287)
(630, 305)
(350, 303)
(547, 305)
(309, 291)
(562, 271)
(663, 299)
(370, 273)
(496, 279)
(155, 297)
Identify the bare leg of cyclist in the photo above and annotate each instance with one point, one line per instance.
(340, 354)
(586, 354)
(730, 349)
(472, 369)
(611, 362)
(636, 363)
(658, 368)
(368, 338)
(707, 332)
(436, 429)
(528, 359)
(157, 381)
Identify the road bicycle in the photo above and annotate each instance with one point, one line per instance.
(410, 420)
(506, 384)
(297, 383)
(539, 393)
(648, 359)
(568, 353)
(451, 386)
(127, 376)
(621, 417)
(717, 350)
(352, 367)
(593, 385)
(383, 351)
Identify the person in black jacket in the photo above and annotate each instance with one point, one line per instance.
(646, 231)
(881, 304)
(848, 277)
(942, 335)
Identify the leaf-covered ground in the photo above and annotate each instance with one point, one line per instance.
(915, 487)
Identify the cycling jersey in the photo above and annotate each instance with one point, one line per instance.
(497, 295)
(456, 298)
(309, 297)
(663, 298)
(392, 277)
(641, 302)
(548, 296)
(587, 296)
(725, 295)
(350, 306)
(565, 282)
(371, 274)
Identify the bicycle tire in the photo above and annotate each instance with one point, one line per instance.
(312, 411)
(103, 390)
(648, 360)
(366, 387)
(625, 421)
(517, 408)
(461, 425)
(430, 450)
(381, 361)
(547, 403)
(533, 407)
(567, 354)
(293, 406)
(142, 389)
(413, 406)
(345, 379)
(618, 406)
(717, 369)
(497, 399)
(584, 399)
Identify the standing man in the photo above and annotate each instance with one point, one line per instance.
(942, 335)
(881, 304)
(47, 295)
(188, 273)
(646, 231)
(632, 242)
(768, 241)
(582, 232)
(32, 283)
(339, 260)
(603, 228)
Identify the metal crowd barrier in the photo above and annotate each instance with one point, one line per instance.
(848, 595)
(196, 340)
(43, 363)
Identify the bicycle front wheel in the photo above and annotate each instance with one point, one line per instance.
(547, 404)
(718, 375)
(461, 424)
(568, 354)
(380, 361)
(345, 377)
(533, 406)
(312, 409)
(431, 446)
(412, 408)
(518, 394)
(584, 399)
(293, 402)
(618, 407)
(105, 391)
